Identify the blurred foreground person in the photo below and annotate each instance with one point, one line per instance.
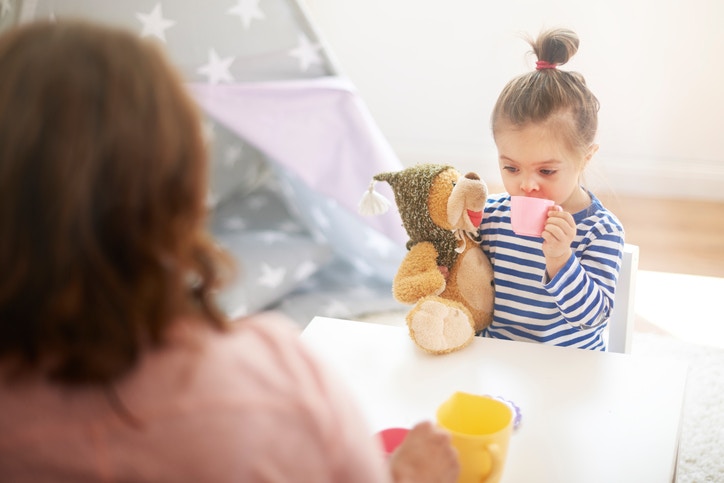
(115, 363)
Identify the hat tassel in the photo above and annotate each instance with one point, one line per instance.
(373, 203)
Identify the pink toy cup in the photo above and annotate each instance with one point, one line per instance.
(392, 438)
(528, 215)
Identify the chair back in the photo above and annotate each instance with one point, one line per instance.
(621, 321)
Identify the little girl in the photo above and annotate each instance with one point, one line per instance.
(557, 288)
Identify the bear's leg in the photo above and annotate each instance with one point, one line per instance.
(440, 326)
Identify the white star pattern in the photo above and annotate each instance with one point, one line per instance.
(306, 52)
(240, 311)
(217, 70)
(304, 270)
(247, 10)
(5, 8)
(211, 199)
(232, 155)
(154, 24)
(271, 277)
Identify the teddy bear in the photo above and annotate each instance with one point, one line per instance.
(445, 274)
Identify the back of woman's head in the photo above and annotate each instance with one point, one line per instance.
(548, 94)
(102, 188)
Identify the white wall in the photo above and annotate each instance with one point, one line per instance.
(430, 71)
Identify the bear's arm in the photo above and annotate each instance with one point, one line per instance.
(418, 275)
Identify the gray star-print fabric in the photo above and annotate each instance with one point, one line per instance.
(292, 149)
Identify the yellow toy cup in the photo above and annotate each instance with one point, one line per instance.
(480, 427)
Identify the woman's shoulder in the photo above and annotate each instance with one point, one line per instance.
(251, 352)
(265, 335)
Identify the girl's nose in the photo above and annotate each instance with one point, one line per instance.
(528, 185)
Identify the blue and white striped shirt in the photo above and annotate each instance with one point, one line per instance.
(571, 309)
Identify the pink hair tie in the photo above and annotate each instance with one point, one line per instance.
(542, 64)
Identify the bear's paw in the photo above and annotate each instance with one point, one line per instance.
(440, 326)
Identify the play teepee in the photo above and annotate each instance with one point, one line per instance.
(292, 149)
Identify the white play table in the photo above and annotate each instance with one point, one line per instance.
(587, 417)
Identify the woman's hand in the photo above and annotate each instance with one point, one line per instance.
(425, 455)
(558, 234)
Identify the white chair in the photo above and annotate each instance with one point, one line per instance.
(621, 321)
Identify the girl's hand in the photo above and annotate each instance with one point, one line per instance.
(558, 234)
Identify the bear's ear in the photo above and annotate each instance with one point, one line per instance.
(456, 204)
(372, 203)
(455, 207)
(469, 194)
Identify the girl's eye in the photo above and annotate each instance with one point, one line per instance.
(510, 169)
(547, 172)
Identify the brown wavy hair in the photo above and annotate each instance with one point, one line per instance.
(551, 95)
(103, 177)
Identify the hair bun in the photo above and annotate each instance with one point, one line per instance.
(555, 46)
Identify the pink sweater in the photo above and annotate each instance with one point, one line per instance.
(248, 406)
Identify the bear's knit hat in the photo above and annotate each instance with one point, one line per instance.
(411, 187)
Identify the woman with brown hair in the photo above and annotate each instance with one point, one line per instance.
(115, 363)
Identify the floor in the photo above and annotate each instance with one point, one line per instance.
(677, 236)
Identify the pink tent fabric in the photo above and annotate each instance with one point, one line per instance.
(319, 129)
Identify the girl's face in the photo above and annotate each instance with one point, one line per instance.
(534, 161)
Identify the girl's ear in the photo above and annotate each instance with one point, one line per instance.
(593, 149)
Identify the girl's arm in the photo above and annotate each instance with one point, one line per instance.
(585, 285)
